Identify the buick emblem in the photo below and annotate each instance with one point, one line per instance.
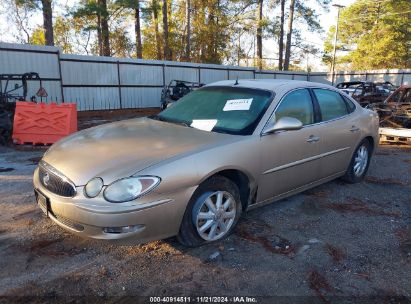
(46, 179)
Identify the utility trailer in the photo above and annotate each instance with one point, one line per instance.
(175, 90)
(13, 87)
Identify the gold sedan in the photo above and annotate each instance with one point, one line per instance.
(191, 170)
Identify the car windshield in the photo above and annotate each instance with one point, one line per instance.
(231, 110)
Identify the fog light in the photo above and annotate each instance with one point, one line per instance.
(125, 229)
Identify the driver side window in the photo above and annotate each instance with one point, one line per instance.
(296, 104)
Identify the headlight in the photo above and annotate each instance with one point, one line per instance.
(93, 187)
(128, 189)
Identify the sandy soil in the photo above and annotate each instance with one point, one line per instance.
(335, 243)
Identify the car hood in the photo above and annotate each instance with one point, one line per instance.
(120, 149)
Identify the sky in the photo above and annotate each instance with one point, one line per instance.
(326, 19)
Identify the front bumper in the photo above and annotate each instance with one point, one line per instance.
(154, 216)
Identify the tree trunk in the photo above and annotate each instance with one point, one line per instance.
(260, 35)
(289, 35)
(99, 39)
(211, 24)
(281, 40)
(104, 27)
(216, 39)
(188, 29)
(48, 21)
(204, 24)
(155, 22)
(137, 29)
(167, 51)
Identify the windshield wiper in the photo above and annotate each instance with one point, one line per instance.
(181, 123)
(173, 121)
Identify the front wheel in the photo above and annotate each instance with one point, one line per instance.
(212, 212)
(359, 163)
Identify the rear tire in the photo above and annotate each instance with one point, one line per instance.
(359, 163)
(212, 212)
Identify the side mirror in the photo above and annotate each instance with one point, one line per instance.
(284, 124)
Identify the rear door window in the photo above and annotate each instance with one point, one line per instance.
(331, 104)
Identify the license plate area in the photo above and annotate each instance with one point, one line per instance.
(43, 202)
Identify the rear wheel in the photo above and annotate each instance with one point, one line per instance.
(212, 212)
(359, 163)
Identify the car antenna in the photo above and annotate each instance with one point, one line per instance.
(236, 81)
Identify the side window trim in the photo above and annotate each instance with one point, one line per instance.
(347, 101)
(316, 107)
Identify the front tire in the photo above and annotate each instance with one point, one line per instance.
(359, 163)
(212, 213)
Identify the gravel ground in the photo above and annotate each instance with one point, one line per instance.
(335, 243)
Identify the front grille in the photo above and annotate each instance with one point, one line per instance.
(54, 181)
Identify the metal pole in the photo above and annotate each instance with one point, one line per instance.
(119, 84)
(61, 77)
(335, 40)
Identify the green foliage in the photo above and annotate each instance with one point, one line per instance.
(209, 30)
(377, 35)
(28, 4)
(37, 37)
(309, 15)
(221, 31)
(63, 34)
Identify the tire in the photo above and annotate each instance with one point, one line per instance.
(199, 215)
(357, 168)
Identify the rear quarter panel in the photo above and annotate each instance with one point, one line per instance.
(369, 125)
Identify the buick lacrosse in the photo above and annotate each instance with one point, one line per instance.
(193, 169)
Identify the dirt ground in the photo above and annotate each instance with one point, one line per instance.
(335, 243)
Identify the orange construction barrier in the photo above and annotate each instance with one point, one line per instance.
(43, 123)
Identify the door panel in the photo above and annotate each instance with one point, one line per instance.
(339, 140)
(340, 132)
(289, 160)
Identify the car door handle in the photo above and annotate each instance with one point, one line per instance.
(354, 129)
(313, 139)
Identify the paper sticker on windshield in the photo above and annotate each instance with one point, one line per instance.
(204, 124)
(238, 104)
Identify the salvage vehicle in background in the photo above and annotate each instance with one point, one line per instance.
(400, 104)
(193, 169)
(364, 92)
(395, 116)
(395, 111)
(175, 90)
(387, 86)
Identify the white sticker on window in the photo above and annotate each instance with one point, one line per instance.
(238, 104)
(204, 124)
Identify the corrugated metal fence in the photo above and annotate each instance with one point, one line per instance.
(101, 83)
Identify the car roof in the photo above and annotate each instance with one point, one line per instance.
(269, 84)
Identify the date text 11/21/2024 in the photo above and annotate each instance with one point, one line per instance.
(239, 299)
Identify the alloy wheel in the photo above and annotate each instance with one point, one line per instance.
(215, 215)
(361, 160)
